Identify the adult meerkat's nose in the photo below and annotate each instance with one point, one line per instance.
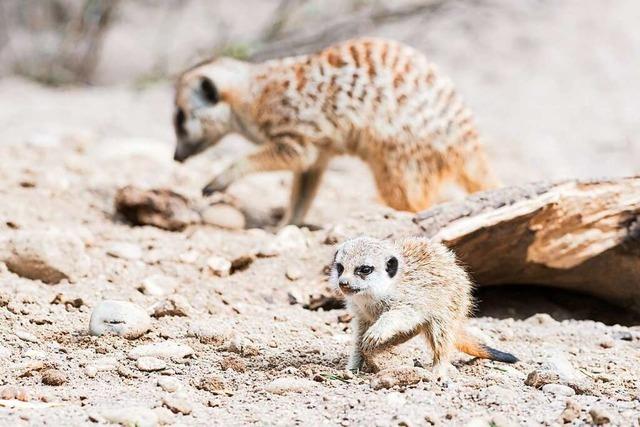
(180, 155)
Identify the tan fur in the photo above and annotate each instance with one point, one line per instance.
(376, 99)
(430, 295)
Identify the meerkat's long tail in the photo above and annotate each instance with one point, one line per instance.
(469, 344)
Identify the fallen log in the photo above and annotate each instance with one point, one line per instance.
(578, 235)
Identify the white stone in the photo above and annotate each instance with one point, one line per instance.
(224, 216)
(26, 336)
(119, 317)
(558, 390)
(169, 384)
(293, 273)
(149, 364)
(157, 285)
(166, 349)
(125, 250)
(5, 352)
(131, 416)
(219, 266)
(189, 257)
(289, 385)
(288, 239)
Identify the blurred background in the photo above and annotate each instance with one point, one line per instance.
(553, 84)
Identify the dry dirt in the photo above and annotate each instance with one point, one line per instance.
(258, 355)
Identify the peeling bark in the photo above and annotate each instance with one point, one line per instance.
(577, 235)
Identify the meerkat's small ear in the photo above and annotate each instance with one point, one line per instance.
(392, 266)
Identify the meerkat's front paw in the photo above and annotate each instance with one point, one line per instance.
(219, 183)
(375, 336)
(443, 372)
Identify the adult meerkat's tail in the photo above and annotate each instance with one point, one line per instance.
(469, 344)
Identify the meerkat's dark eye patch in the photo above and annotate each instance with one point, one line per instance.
(392, 266)
(179, 122)
(339, 269)
(364, 270)
(209, 91)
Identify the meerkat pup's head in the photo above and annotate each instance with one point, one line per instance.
(203, 113)
(366, 266)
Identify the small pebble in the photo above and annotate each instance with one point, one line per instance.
(166, 349)
(175, 305)
(571, 411)
(600, 416)
(131, 416)
(223, 216)
(150, 364)
(286, 385)
(26, 336)
(124, 250)
(219, 266)
(541, 319)
(558, 390)
(293, 273)
(234, 363)
(212, 384)
(157, 285)
(177, 404)
(169, 384)
(53, 377)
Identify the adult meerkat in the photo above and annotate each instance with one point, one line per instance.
(398, 290)
(375, 99)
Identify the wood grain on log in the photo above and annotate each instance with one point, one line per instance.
(578, 235)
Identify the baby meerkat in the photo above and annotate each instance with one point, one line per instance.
(397, 290)
(376, 99)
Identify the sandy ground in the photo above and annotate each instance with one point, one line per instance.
(554, 88)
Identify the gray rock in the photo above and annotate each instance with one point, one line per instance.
(150, 364)
(125, 250)
(119, 317)
(166, 349)
(48, 256)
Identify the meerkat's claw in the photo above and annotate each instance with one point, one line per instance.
(219, 183)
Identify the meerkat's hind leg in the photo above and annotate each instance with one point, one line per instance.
(475, 173)
(441, 339)
(303, 191)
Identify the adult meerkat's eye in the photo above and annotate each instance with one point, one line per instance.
(209, 90)
(392, 266)
(339, 269)
(364, 270)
